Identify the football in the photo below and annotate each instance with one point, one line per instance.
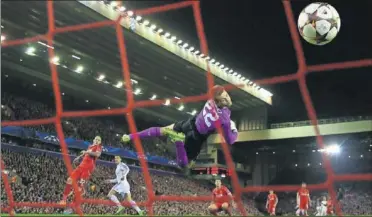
(319, 23)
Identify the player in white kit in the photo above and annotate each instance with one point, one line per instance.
(322, 208)
(121, 187)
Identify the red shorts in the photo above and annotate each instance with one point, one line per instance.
(304, 206)
(329, 212)
(219, 205)
(271, 209)
(81, 175)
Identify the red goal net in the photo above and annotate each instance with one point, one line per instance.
(299, 76)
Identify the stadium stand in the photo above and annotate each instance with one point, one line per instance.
(29, 169)
(21, 108)
(36, 182)
(38, 176)
(33, 181)
(29, 172)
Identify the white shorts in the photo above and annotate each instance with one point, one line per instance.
(122, 187)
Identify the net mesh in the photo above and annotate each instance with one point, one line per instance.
(299, 76)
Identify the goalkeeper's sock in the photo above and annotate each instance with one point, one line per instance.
(67, 191)
(148, 133)
(114, 199)
(182, 159)
(134, 206)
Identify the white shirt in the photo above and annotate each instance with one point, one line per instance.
(324, 203)
(121, 173)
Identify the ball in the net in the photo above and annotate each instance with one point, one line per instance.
(319, 23)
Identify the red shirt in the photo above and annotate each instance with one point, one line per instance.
(89, 162)
(329, 205)
(304, 195)
(221, 195)
(272, 199)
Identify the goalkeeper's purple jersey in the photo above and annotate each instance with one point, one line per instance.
(206, 121)
(207, 118)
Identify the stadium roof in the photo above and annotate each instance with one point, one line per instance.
(89, 63)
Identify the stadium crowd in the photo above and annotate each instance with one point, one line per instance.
(37, 178)
(41, 177)
(20, 108)
(356, 200)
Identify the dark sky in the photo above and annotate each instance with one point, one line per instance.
(252, 37)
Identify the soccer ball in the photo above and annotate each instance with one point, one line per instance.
(319, 23)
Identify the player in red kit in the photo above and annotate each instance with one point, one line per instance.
(329, 206)
(221, 200)
(82, 173)
(303, 200)
(272, 201)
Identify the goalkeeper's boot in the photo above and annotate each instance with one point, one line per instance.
(120, 209)
(173, 135)
(187, 169)
(125, 138)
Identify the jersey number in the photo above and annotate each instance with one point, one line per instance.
(209, 115)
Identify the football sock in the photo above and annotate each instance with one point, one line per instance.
(114, 199)
(182, 159)
(228, 212)
(298, 212)
(148, 133)
(213, 212)
(134, 206)
(67, 191)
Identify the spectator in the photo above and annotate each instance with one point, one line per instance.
(19, 108)
(40, 178)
